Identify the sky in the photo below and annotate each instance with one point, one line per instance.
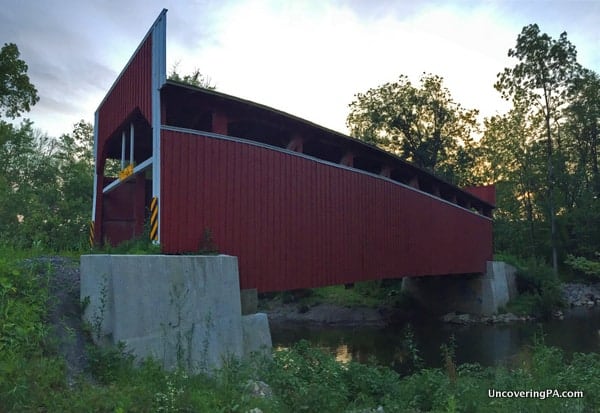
(307, 58)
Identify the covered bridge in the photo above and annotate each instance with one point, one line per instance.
(299, 205)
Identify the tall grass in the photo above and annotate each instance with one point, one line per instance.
(302, 379)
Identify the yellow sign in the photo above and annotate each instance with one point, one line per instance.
(125, 173)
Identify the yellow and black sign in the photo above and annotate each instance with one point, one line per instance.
(154, 219)
(91, 234)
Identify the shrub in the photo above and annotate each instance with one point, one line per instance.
(539, 290)
(582, 265)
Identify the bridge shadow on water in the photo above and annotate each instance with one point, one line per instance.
(485, 344)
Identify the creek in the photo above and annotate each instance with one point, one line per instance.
(486, 344)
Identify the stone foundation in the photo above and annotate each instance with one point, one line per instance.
(180, 310)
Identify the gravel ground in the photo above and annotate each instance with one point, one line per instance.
(64, 310)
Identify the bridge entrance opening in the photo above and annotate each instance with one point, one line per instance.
(127, 181)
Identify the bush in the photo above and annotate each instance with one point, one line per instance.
(581, 265)
(539, 290)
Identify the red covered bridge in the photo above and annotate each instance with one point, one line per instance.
(299, 205)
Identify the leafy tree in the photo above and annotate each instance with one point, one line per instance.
(582, 184)
(583, 124)
(17, 94)
(196, 78)
(45, 186)
(542, 76)
(422, 124)
(511, 159)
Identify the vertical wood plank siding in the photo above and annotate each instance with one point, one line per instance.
(297, 223)
(133, 90)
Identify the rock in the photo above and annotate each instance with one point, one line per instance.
(447, 318)
(257, 388)
(577, 294)
(457, 318)
(463, 318)
(255, 410)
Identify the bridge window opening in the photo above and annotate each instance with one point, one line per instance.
(368, 165)
(130, 144)
(324, 151)
(425, 186)
(401, 175)
(262, 132)
(190, 118)
(187, 110)
(448, 194)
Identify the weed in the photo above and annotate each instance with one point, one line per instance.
(449, 356)
(100, 311)
(206, 245)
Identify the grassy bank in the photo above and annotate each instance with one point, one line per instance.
(33, 374)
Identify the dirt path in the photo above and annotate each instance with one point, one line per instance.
(64, 310)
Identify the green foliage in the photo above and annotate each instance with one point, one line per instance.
(140, 245)
(539, 290)
(422, 124)
(583, 265)
(196, 78)
(308, 379)
(302, 378)
(17, 94)
(45, 187)
(108, 364)
(23, 299)
(545, 166)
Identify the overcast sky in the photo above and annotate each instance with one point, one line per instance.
(307, 58)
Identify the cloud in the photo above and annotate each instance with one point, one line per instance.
(308, 58)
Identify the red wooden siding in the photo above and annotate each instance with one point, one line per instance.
(132, 90)
(487, 193)
(295, 222)
(123, 211)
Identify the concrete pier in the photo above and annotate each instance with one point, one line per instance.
(184, 311)
(479, 294)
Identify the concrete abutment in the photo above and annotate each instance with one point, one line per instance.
(183, 311)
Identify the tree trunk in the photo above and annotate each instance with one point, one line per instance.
(551, 187)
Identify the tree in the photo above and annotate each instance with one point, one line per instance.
(17, 94)
(511, 159)
(422, 124)
(542, 76)
(583, 125)
(196, 78)
(45, 186)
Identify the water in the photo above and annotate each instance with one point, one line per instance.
(478, 343)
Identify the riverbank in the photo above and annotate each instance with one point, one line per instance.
(339, 311)
(35, 373)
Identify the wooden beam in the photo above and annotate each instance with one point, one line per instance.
(296, 144)
(347, 159)
(414, 181)
(386, 171)
(219, 123)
